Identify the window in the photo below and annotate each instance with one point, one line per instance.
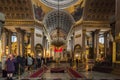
(14, 39)
(101, 40)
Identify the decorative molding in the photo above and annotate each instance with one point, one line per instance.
(77, 36)
(103, 24)
(23, 23)
(38, 35)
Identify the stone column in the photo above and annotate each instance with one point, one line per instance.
(83, 43)
(43, 43)
(73, 43)
(4, 41)
(22, 42)
(2, 48)
(2, 20)
(46, 47)
(97, 43)
(18, 41)
(105, 43)
(92, 48)
(9, 41)
(32, 41)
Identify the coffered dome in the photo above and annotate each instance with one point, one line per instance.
(62, 3)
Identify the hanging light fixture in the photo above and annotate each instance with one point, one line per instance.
(58, 42)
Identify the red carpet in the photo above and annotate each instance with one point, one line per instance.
(38, 73)
(74, 73)
(57, 70)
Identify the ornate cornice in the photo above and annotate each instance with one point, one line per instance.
(23, 23)
(103, 24)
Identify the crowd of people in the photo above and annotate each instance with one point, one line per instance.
(16, 65)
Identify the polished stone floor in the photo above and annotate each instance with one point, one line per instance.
(91, 75)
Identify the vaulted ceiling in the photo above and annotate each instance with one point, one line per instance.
(62, 3)
(61, 19)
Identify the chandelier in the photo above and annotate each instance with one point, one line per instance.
(58, 42)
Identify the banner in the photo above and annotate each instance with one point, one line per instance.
(58, 49)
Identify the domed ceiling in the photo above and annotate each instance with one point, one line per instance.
(62, 3)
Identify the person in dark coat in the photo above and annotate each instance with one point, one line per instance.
(77, 61)
(38, 62)
(10, 67)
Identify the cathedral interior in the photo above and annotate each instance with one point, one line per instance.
(73, 39)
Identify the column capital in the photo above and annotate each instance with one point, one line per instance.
(20, 30)
(106, 32)
(10, 32)
(84, 30)
(5, 30)
(32, 30)
(97, 30)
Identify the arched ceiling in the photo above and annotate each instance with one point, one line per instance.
(60, 19)
(58, 24)
(62, 3)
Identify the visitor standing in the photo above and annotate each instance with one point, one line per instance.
(38, 62)
(29, 62)
(77, 61)
(10, 67)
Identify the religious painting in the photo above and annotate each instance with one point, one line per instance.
(118, 51)
(77, 14)
(39, 13)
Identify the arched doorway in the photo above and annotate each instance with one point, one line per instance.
(39, 50)
(78, 52)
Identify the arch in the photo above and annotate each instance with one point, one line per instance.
(78, 52)
(77, 48)
(39, 49)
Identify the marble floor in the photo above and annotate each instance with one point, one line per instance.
(98, 75)
(89, 75)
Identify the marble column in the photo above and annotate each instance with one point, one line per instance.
(97, 43)
(72, 45)
(4, 41)
(83, 44)
(2, 51)
(92, 48)
(105, 43)
(2, 21)
(9, 41)
(22, 42)
(18, 41)
(43, 43)
(32, 41)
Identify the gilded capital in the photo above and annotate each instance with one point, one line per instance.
(32, 30)
(84, 30)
